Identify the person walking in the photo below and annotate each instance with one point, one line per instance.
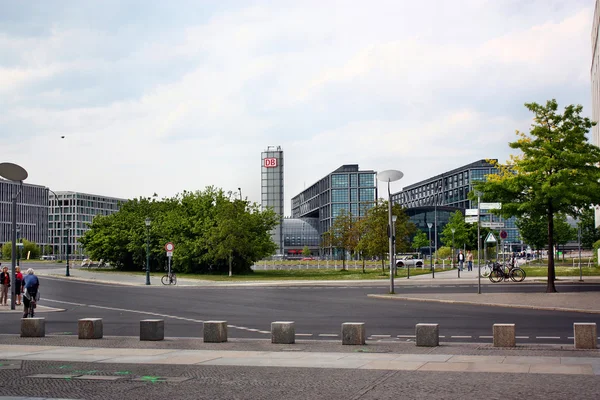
(18, 283)
(469, 260)
(461, 260)
(30, 285)
(5, 284)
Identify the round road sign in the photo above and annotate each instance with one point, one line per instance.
(169, 247)
(503, 234)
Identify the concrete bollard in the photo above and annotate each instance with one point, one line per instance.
(283, 332)
(152, 329)
(353, 333)
(586, 335)
(428, 335)
(90, 328)
(33, 327)
(215, 331)
(504, 335)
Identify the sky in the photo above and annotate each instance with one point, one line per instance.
(133, 98)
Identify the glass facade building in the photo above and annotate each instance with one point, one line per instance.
(271, 190)
(451, 189)
(70, 214)
(301, 233)
(347, 188)
(32, 212)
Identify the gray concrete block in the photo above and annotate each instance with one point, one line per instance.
(90, 328)
(283, 332)
(504, 335)
(586, 335)
(215, 331)
(152, 329)
(428, 335)
(353, 333)
(33, 327)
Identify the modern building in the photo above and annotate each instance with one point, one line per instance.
(271, 191)
(595, 76)
(347, 188)
(32, 212)
(70, 215)
(301, 233)
(449, 191)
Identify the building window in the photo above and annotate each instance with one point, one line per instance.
(337, 208)
(367, 195)
(339, 181)
(353, 180)
(339, 195)
(366, 180)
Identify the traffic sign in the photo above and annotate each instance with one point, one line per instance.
(490, 238)
(490, 206)
(169, 247)
(470, 220)
(503, 234)
(169, 254)
(471, 211)
(493, 225)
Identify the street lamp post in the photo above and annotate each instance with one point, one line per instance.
(579, 246)
(15, 173)
(388, 176)
(478, 243)
(18, 247)
(68, 225)
(454, 230)
(147, 221)
(429, 225)
(240, 190)
(394, 219)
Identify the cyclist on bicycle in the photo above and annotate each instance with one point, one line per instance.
(30, 285)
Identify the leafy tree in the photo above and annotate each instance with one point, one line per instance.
(461, 229)
(589, 233)
(556, 172)
(343, 234)
(420, 240)
(306, 251)
(28, 247)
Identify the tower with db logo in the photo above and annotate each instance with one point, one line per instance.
(271, 190)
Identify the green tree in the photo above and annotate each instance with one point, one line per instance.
(420, 240)
(589, 233)
(461, 230)
(28, 247)
(306, 251)
(344, 234)
(556, 172)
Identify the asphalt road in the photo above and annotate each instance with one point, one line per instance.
(318, 311)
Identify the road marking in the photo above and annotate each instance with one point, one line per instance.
(381, 336)
(304, 334)
(265, 332)
(486, 337)
(405, 336)
(521, 337)
(461, 337)
(547, 337)
(328, 334)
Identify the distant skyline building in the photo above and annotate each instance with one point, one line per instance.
(271, 189)
(595, 76)
(69, 215)
(32, 212)
(347, 188)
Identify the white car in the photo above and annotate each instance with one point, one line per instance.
(408, 260)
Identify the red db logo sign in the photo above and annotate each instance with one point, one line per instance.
(270, 162)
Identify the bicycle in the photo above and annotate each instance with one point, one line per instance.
(486, 270)
(169, 279)
(32, 303)
(516, 274)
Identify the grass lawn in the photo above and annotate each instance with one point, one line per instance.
(289, 274)
(542, 271)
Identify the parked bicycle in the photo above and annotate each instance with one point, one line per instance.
(169, 279)
(505, 272)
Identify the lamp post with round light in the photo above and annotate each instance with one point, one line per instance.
(15, 173)
(429, 225)
(389, 176)
(454, 230)
(147, 221)
(68, 226)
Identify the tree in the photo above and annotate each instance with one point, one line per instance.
(343, 234)
(556, 172)
(460, 235)
(28, 247)
(306, 251)
(589, 233)
(420, 240)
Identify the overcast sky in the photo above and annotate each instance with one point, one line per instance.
(161, 97)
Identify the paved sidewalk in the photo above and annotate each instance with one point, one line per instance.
(406, 357)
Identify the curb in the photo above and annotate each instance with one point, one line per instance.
(529, 307)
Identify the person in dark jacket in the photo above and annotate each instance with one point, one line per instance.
(4, 285)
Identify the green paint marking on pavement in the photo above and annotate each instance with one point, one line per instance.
(122, 373)
(86, 372)
(152, 379)
(65, 367)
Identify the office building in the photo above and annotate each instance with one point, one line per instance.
(271, 190)
(445, 193)
(70, 215)
(32, 212)
(595, 76)
(347, 188)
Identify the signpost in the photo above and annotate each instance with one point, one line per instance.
(490, 206)
(169, 247)
(471, 220)
(492, 225)
(471, 211)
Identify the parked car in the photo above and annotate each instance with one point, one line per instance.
(408, 260)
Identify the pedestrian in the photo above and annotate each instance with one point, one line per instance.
(18, 283)
(461, 260)
(5, 284)
(30, 290)
(469, 260)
